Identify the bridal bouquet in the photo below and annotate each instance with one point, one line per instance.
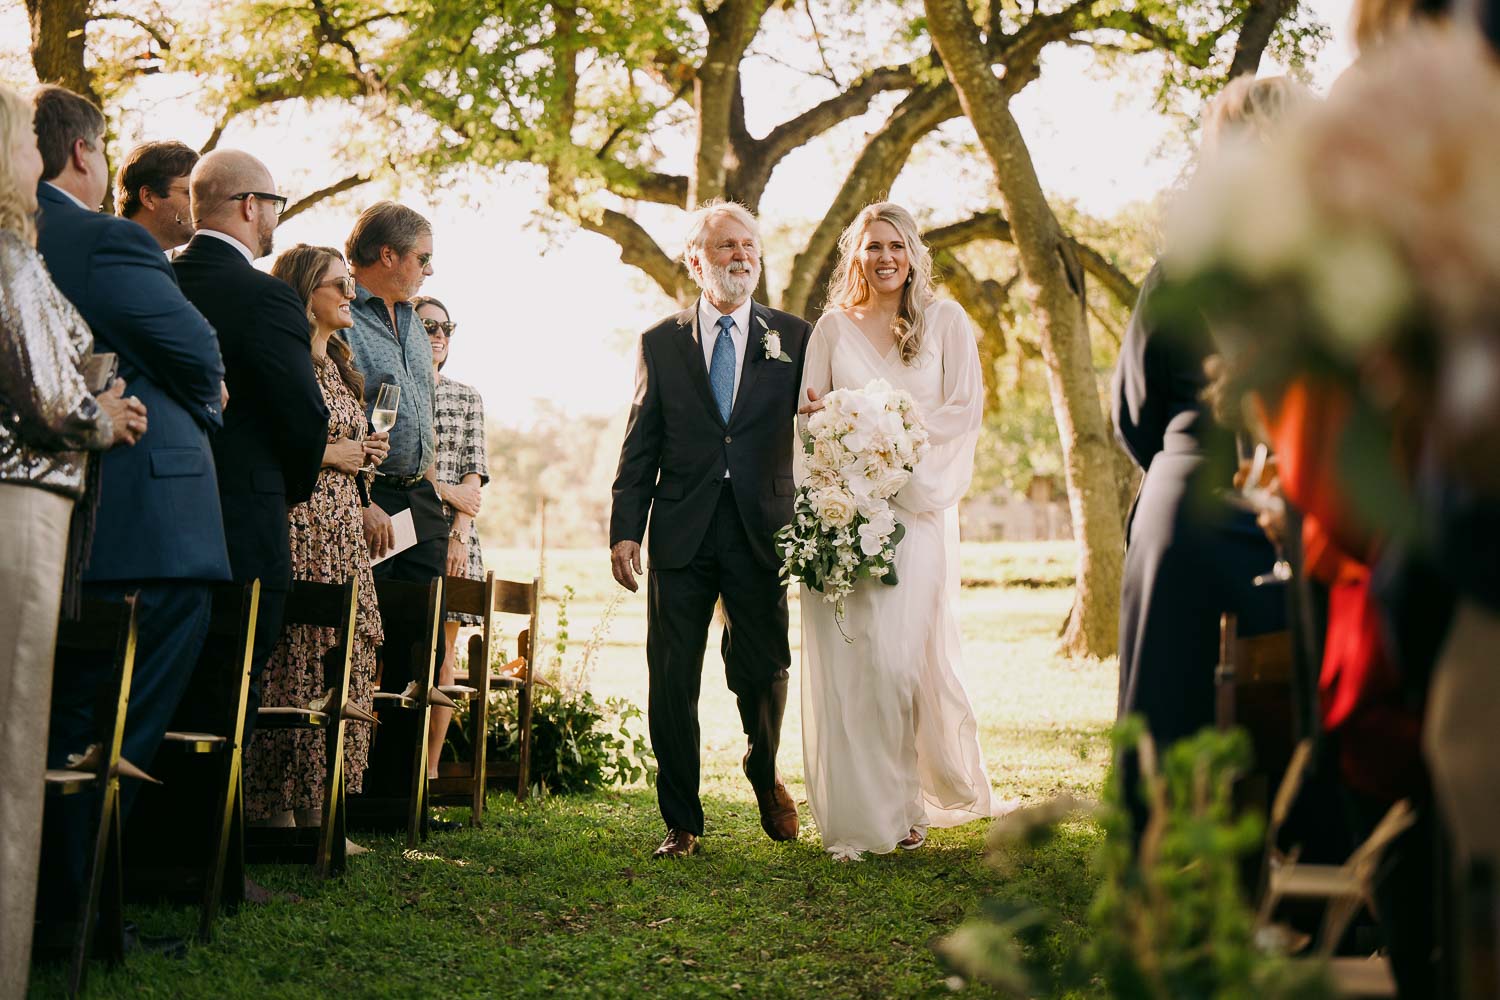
(860, 449)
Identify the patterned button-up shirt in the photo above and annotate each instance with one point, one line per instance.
(381, 357)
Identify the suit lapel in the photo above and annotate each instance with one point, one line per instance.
(691, 347)
(755, 356)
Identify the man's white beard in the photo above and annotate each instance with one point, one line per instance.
(727, 287)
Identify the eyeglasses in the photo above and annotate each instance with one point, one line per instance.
(344, 284)
(277, 201)
(422, 258)
(432, 327)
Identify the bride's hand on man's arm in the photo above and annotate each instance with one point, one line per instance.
(813, 405)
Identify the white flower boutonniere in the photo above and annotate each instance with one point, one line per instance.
(771, 341)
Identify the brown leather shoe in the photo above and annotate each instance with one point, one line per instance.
(679, 844)
(778, 813)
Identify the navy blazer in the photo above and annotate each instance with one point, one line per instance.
(159, 502)
(276, 425)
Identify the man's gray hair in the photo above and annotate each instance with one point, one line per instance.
(697, 232)
(384, 224)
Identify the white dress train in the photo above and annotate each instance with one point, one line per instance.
(889, 738)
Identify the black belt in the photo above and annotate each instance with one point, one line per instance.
(386, 481)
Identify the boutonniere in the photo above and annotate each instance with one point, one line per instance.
(771, 341)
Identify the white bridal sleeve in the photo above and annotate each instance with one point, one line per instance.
(817, 373)
(942, 476)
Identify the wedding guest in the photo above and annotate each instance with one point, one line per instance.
(285, 771)
(270, 452)
(158, 533)
(48, 421)
(462, 470)
(390, 255)
(152, 190)
(1190, 556)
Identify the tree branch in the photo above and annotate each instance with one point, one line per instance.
(322, 194)
(639, 249)
(993, 226)
(161, 40)
(1255, 34)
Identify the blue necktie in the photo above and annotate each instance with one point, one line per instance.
(721, 368)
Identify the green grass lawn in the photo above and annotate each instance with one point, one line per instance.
(559, 896)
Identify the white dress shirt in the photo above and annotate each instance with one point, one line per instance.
(244, 250)
(74, 198)
(708, 333)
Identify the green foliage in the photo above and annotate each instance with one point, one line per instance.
(1169, 920)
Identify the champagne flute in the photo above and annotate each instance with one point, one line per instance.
(1270, 502)
(383, 414)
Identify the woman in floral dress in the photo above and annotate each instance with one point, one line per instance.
(462, 469)
(285, 770)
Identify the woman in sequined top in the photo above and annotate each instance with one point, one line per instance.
(48, 421)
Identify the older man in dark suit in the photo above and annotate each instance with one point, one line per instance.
(708, 458)
(276, 425)
(158, 531)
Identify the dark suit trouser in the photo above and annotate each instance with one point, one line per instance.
(171, 623)
(757, 658)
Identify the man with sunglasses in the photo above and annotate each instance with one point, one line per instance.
(275, 424)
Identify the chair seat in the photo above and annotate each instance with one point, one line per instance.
(290, 717)
(1317, 881)
(196, 742)
(458, 691)
(496, 680)
(66, 782)
(1362, 977)
(395, 699)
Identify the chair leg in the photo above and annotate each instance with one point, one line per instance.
(213, 877)
(523, 765)
(330, 853)
(479, 729)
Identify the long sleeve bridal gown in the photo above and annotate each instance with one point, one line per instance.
(889, 736)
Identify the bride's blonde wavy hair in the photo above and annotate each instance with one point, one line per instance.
(848, 288)
(17, 202)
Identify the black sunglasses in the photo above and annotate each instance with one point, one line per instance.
(278, 201)
(432, 326)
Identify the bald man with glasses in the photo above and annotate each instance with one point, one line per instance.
(275, 423)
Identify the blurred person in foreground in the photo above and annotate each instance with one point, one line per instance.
(158, 533)
(1191, 556)
(285, 773)
(49, 420)
(462, 470)
(152, 190)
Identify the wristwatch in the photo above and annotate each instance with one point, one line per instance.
(456, 535)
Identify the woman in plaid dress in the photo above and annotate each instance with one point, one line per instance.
(462, 469)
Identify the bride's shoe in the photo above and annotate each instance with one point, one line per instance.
(915, 839)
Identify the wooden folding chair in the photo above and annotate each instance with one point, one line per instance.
(395, 792)
(184, 835)
(103, 627)
(464, 782)
(1344, 889)
(1253, 689)
(321, 605)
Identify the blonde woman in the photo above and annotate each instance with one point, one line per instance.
(890, 743)
(48, 420)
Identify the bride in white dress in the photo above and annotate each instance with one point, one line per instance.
(889, 738)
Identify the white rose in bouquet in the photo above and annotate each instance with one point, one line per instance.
(834, 506)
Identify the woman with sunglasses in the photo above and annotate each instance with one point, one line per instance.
(462, 469)
(285, 770)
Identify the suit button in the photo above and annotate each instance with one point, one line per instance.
(727, 439)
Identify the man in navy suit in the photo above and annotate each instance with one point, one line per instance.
(276, 425)
(158, 531)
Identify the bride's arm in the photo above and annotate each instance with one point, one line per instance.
(817, 375)
(944, 472)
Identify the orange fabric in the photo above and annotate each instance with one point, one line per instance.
(1359, 688)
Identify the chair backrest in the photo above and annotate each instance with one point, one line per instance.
(1253, 689)
(105, 627)
(415, 609)
(329, 605)
(220, 685)
(491, 596)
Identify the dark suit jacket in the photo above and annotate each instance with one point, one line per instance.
(159, 505)
(276, 424)
(677, 446)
